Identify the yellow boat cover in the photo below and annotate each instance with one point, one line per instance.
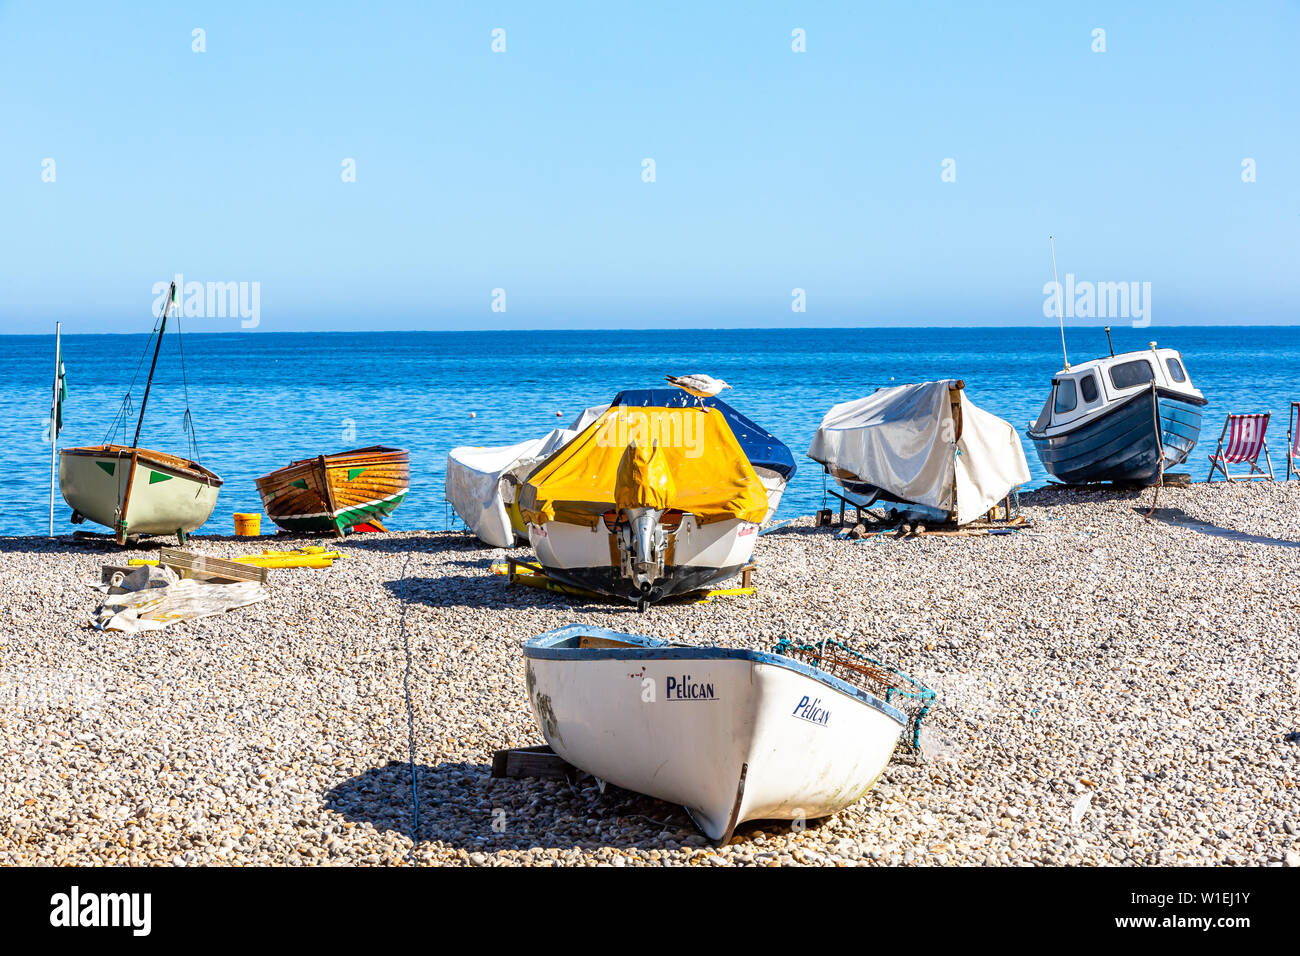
(698, 467)
(644, 480)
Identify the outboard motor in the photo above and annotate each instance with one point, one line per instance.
(643, 492)
(644, 543)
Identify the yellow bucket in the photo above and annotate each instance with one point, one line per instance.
(248, 525)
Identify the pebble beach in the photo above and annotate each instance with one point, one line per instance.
(1112, 690)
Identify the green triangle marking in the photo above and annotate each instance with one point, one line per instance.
(298, 483)
(108, 466)
(157, 476)
(353, 472)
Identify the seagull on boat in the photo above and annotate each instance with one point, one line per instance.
(701, 386)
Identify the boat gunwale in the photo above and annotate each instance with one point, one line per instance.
(1108, 409)
(379, 454)
(191, 470)
(543, 647)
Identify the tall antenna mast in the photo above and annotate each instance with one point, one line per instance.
(1060, 304)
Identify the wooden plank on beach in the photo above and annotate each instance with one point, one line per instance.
(189, 565)
(541, 761)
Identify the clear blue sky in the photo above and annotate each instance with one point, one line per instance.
(522, 170)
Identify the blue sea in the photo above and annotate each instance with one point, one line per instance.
(260, 400)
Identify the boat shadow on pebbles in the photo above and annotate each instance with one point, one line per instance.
(392, 542)
(795, 530)
(463, 806)
(1178, 518)
(69, 545)
(491, 592)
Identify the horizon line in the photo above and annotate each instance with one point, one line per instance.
(684, 328)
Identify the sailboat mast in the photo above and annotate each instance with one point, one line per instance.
(135, 443)
(54, 418)
(1060, 304)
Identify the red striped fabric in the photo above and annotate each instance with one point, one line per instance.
(1245, 437)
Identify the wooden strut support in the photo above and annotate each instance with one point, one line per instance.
(863, 515)
(540, 761)
(189, 565)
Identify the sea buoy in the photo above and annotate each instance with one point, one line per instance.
(473, 414)
(559, 414)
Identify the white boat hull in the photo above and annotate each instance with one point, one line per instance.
(731, 735)
(702, 555)
(774, 484)
(137, 491)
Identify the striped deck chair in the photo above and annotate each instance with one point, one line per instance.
(1293, 442)
(1241, 441)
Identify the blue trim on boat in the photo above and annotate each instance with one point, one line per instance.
(550, 646)
(761, 447)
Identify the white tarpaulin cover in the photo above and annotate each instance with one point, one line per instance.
(901, 440)
(150, 598)
(481, 481)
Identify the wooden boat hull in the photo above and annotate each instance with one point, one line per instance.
(701, 556)
(1121, 444)
(730, 734)
(136, 490)
(334, 493)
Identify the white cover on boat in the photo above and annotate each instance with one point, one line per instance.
(901, 440)
(480, 481)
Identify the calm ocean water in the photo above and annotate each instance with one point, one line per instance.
(261, 400)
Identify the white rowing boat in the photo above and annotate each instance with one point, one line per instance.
(730, 734)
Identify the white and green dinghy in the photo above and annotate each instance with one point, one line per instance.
(133, 490)
(137, 491)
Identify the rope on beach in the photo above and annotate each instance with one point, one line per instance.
(1160, 447)
(410, 709)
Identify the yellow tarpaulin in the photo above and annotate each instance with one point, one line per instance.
(644, 479)
(707, 472)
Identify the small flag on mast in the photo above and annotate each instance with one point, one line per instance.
(60, 396)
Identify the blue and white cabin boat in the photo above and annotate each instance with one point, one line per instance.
(728, 733)
(1100, 421)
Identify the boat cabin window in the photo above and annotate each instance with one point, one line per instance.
(1129, 374)
(1176, 370)
(1066, 398)
(1088, 388)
